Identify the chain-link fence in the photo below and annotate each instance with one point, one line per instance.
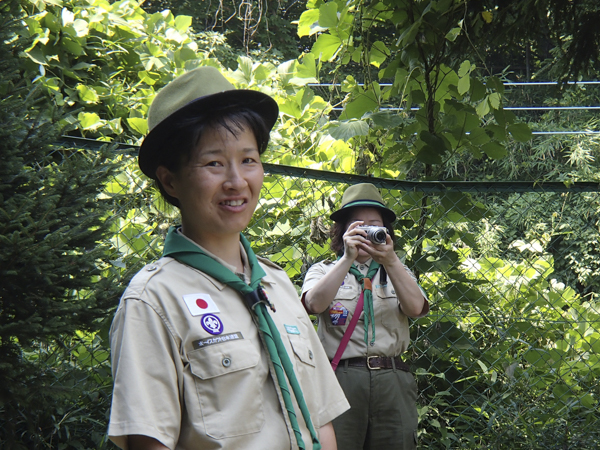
(507, 357)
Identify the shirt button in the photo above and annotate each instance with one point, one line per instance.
(151, 268)
(310, 354)
(362, 267)
(226, 362)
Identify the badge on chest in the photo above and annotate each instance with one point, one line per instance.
(338, 314)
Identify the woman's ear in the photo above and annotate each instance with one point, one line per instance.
(167, 179)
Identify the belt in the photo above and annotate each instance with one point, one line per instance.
(377, 362)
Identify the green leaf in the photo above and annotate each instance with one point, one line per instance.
(81, 27)
(477, 90)
(417, 97)
(385, 119)
(464, 293)
(408, 36)
(37, 56)
(87, 94)
(138, 124)
(378, 54)
(520, 132)
(348, 129)
(464, 84)
(433, 140)
(478, 137)
(494, 150)
(464, 69)
(309, 23)
(496, 84)
(429, 155)
(328, 17)
(182, 23)
(307, 68)
(453, 34)
(361, 104)
(497, 131)
(326, 47)
(494, 100)
(483, 108)
(537, 357)
(89, 121)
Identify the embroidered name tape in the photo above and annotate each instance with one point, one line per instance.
(200, 304)
(291, 329)
(217, 340)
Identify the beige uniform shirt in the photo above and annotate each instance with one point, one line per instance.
(189, 368)
(391, 325)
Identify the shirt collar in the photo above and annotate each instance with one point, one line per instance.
(247, 271)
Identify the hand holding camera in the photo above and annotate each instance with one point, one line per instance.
(377, 235)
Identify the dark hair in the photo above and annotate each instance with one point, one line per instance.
(185, 136)
(339, 228)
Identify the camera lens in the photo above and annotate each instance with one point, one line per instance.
(378, 236)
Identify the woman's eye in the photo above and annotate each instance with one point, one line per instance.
(249, 160)
(213, 164)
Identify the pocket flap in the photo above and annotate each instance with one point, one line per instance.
(220, 359)
(301, 349)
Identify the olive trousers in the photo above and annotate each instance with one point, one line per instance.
(383, 411)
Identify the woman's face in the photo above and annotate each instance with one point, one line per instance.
(219, 187)
(370, 216)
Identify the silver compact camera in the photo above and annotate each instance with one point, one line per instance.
(377, 235)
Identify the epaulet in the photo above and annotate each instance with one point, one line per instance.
(142, 277)
(268, 262)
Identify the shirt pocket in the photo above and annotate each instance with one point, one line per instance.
(387, 303)
(305, 369)
(347, 292)
(302, 350)
(227, 379)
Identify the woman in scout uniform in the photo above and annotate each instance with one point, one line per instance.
(362, 302)
(210, 346)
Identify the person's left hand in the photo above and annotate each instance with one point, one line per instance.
(382, 253)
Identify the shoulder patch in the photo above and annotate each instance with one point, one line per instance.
(328, 262)
(268, 262)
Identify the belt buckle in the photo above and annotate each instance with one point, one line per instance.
(369, 363)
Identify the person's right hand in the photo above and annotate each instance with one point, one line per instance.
(353, 238)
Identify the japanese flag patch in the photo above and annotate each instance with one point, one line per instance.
(200, 304)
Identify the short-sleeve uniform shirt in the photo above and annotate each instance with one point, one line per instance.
(189, 368)
(392, 335)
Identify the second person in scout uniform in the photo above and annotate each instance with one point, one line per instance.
(363, 301)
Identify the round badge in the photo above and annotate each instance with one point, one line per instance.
(212, 324)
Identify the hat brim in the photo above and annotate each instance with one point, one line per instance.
(154, 142)
(340, 214)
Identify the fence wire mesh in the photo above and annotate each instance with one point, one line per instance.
(507, 357)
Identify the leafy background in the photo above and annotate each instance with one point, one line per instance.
(412, 95)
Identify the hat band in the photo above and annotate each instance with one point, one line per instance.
(373, 203)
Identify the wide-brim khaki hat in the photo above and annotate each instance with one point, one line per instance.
(362, 195)
(199, 91)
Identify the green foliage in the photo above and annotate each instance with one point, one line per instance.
(261, 28)
(507, 354)
(53, 231)
(104, 61)
(457, 112)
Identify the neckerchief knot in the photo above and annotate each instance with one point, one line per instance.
(365, 281)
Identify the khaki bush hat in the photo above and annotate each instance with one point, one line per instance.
(363, 195)
(198, 91)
